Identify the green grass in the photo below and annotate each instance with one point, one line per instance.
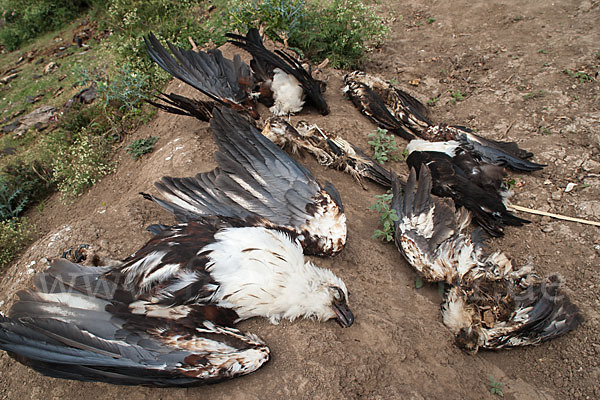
(27, 19)
(581, 76)
(433, 101)
(534, 95)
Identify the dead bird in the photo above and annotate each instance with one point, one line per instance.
(164, 316)
(395, 110)
(472, 183)
(226, 82)
(254, 177)
(281, 75)
(489, 304)
(328, 148)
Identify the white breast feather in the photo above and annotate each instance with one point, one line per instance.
(287, 94)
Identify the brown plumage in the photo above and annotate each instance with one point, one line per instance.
(489, 304)
(395, 110)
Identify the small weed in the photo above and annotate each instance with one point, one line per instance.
(496, 387)
(139, 147)
(598, 55)
(419, 282)
(581, 76)
(82, 164)
(544, 130)
(394, 81)
(542, 51)
(15, 234)
(510, 184)
(433, 101)
(517, 18)
(430, 20)
(383, 145)
(457, 96)
(546, 64)
(13, 200)
(534, 95)
(387, 216)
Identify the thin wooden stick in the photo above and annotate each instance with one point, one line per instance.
(557, 216)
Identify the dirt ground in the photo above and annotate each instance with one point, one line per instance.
(507, 58)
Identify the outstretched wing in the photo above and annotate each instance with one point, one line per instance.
(74, 325)
(266, 60)
(125, 349)
(255, 178)
(222, 80)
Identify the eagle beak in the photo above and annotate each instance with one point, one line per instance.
(344, 316)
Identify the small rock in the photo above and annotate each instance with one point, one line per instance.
(591, 166)
(50, 67)
(41, 115)
(547, 229)
(570, 186)
(556, 196)
(10, 127)
(589, 208)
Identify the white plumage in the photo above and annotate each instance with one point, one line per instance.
(287, 93)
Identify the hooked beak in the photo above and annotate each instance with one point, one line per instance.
(343, 315)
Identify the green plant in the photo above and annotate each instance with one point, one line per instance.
(341, 30)
(510, 183)
(139, 147)
(383, 145)
(542, 51)
(175, 21)
(430, 20)
(544, 130)
(12, 200)
(581, 76)
(82, 164)
(457, 96)
(26, 19)
(15, 234)
(534, 95)
(387, 216)
(496, 387)
(433, 101)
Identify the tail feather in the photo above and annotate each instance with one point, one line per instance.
(182, 105)
(500, 153)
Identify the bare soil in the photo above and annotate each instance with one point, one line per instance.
(507, 58)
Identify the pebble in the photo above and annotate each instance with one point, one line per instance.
(556, 196)
(547, 229)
